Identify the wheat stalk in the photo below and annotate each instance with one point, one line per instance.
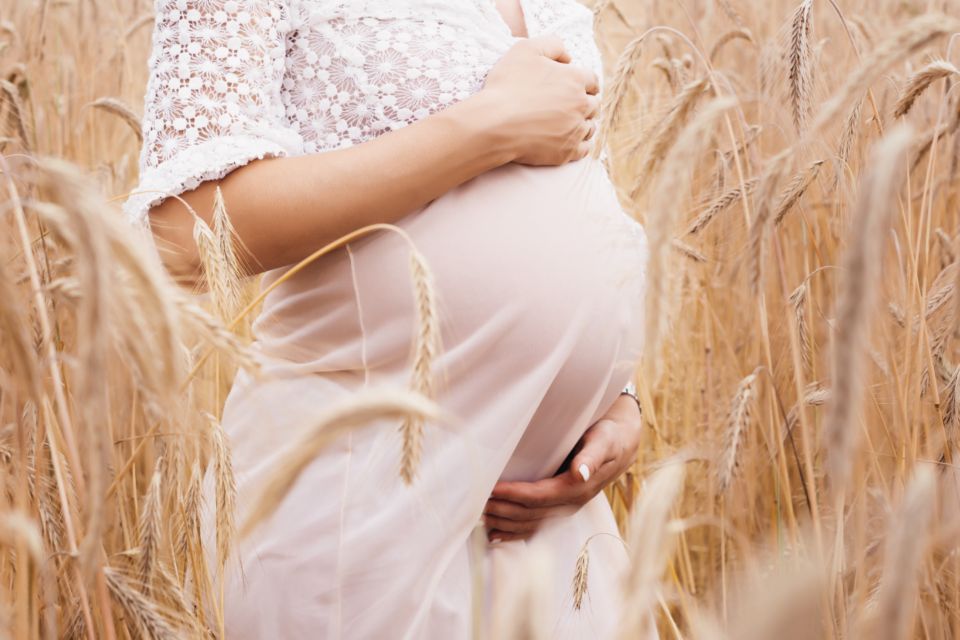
(799, 64)
(125, 113)
(728, 37)
(148, 618)
(150, 528)
(815, 395)
(687, 251)
(728, 9)
(737, 422)
(616, 92)
(798, 299)
(848, 138)
(917, 83)
(903, 557)
(425, 349)
(580, 575)
(648, 543)
(360, 409)
(861, 260)
(721, 204)
(769, 182)
(795, 189)
(950, 409)
(12, 94)
(226, 491)
(666, 131)
(918, 33)
(659, 231)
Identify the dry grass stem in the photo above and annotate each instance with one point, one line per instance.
(735, 430)
(860, 283)
(919, 82)
(426, 346)
(364, 408)
(799, 64)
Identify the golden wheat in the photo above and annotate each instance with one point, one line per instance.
(785, 208)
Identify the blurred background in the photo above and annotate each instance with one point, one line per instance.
(797, 167)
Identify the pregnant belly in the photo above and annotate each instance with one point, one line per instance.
(520, 256)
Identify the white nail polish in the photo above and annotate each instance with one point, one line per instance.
(584, 471)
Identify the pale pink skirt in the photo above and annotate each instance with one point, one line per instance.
(540, 278)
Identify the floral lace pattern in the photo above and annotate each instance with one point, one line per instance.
(236, 80)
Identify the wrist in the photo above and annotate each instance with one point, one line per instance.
(630, 390)
(482, 116)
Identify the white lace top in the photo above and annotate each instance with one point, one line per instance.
(235, 80)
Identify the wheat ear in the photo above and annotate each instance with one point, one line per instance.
(580, 576)
(798, 300)
(616, 92)
(737, 422)
(648, 542)
(360, 409)
(800, 64)
(721, 204)
(795, 189)
(919, 82)
(121, 110)
(903, 556)
(861, 262)
(150, 528)
(425, 349)
(147, 617)
(226, 490)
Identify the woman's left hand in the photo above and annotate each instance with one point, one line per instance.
(516, 510)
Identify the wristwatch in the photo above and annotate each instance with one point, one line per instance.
(631, 390)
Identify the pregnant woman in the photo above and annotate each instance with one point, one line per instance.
(467, 123)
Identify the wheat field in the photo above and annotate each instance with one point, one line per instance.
(797, 168)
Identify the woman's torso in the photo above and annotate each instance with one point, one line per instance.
(538, 275)
(542, 259)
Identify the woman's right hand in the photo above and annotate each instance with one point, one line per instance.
(540, 104)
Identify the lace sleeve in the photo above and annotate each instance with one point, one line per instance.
(213, 100)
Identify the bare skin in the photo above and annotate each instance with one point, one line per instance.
(535, 108)
(512, 14)
(516, 510)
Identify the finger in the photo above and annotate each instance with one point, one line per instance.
(593, 107)
(560, 490)
(582, 151)
(608, 472)
(505, 536)
(591, 128)
(511, 526)
(591, 82)
(552, 47)
(514, 510)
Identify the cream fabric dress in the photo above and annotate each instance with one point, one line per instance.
(540, 278)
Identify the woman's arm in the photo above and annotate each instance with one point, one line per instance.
(533, 109)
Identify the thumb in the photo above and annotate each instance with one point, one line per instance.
(585, 463)
(552, 47)
(598, 448)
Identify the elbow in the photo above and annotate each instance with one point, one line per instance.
(172, 229)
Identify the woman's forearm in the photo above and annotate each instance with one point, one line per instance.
(534, 108)
(283, 209)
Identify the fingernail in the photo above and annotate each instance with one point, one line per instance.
(495, 539)
(584, 471)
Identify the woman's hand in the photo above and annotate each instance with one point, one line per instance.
(540, 104)
(516, 510)
(534, 109)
